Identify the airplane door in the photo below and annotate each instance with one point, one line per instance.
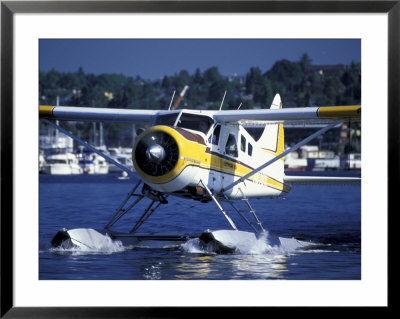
(229, 150)
(215, 174)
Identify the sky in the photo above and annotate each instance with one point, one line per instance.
(154, 58)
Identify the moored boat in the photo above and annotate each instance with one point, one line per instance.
(62, 164)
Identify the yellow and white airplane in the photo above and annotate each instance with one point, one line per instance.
(204, 156)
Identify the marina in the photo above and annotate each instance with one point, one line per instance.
(66, 163)
(56, 146)
(57, 156)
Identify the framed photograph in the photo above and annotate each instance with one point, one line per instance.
(349, 267)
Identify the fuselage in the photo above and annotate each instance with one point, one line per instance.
(186, 148)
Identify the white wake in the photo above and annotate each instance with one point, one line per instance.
(259, 246)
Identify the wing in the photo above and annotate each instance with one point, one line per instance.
(97, 114)
(287, 115)
(277, 113)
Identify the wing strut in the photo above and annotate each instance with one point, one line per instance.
(95, 150)
(147, 213)
(289, 150)
(219, 206)
(121, 211)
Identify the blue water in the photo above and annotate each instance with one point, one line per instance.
(327, 215)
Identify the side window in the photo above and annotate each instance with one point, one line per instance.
(243, 143)
(214, 138)
(250, 149)
(231, 146)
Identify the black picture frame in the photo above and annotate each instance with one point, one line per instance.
(9, 8)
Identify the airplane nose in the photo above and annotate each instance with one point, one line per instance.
(155, 153)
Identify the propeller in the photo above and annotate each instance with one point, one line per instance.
(157, 153)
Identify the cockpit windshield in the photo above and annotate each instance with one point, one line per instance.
(166, 119)
(189, 121)
(195, 122)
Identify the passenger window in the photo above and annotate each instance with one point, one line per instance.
(243, 143)
(214, 138)
(231, 146)
(250, 149)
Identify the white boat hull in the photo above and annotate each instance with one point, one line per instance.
(94, 169)
(62, 169)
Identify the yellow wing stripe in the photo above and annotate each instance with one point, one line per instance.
(45, 110)
(353, 111)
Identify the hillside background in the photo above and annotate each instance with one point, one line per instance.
(299, 83)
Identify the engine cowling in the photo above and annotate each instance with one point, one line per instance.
(168, 159)
(156, 153)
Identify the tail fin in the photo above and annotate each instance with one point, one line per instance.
(272, 139)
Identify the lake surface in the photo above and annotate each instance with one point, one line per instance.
(329, 215)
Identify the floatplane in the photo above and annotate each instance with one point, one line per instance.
(205, 156)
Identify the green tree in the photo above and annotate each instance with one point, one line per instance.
(305, 61)
(212, 75)
(255, 85)
(197, 79)
(166, 83)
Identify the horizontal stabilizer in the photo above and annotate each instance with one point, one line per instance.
(309, 180)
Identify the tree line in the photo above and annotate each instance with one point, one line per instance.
(299, 83)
